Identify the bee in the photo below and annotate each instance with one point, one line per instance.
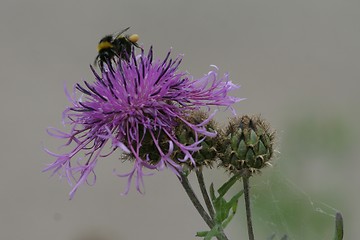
(112, 47)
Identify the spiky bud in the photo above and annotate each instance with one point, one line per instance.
(207, 155)
(247, 145)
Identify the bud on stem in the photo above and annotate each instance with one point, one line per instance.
(247, 145)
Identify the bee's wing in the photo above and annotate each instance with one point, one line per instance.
(121, 32)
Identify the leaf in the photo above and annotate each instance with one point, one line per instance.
(234, 200)
(201, 234)
(221, 211)
(212, 233)
(226, 186)
(209, 234)
(228, 220)
(221, 206)
(339, 227)
(231, 205)
(212, 192)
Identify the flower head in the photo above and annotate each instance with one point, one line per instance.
(208, 154)
(137, 100)
(247, 145)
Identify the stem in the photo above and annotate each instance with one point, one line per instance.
(185, 183)
(204, 192)
(245, 178)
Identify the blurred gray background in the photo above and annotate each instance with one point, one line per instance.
(298, 63)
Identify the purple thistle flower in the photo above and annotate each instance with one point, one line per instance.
(134, 99)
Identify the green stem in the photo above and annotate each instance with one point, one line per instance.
(185, 183)
(245, 178)
(188, 189)
(204, 192)
(339, 227)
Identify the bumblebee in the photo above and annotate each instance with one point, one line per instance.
(112, 47)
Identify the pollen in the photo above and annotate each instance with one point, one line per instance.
(134, 38)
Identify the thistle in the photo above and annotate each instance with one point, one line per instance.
(131, 105)
(247, 145)
(207, 154)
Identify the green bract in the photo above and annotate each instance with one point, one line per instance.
(247, 144)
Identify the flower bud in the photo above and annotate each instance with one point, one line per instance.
(207, 155)
(247, 144)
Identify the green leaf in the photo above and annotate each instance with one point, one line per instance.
(207, 235)
(226, 186)
(339, 227)
(231, 205)
(221, 206)
(201, 234)
(221, 211)
(212, 233)
(234, 200)
(228, 220)
(212, 192)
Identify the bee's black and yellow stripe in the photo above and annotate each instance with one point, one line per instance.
(119, 46)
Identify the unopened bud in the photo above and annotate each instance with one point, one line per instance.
(247, 144)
